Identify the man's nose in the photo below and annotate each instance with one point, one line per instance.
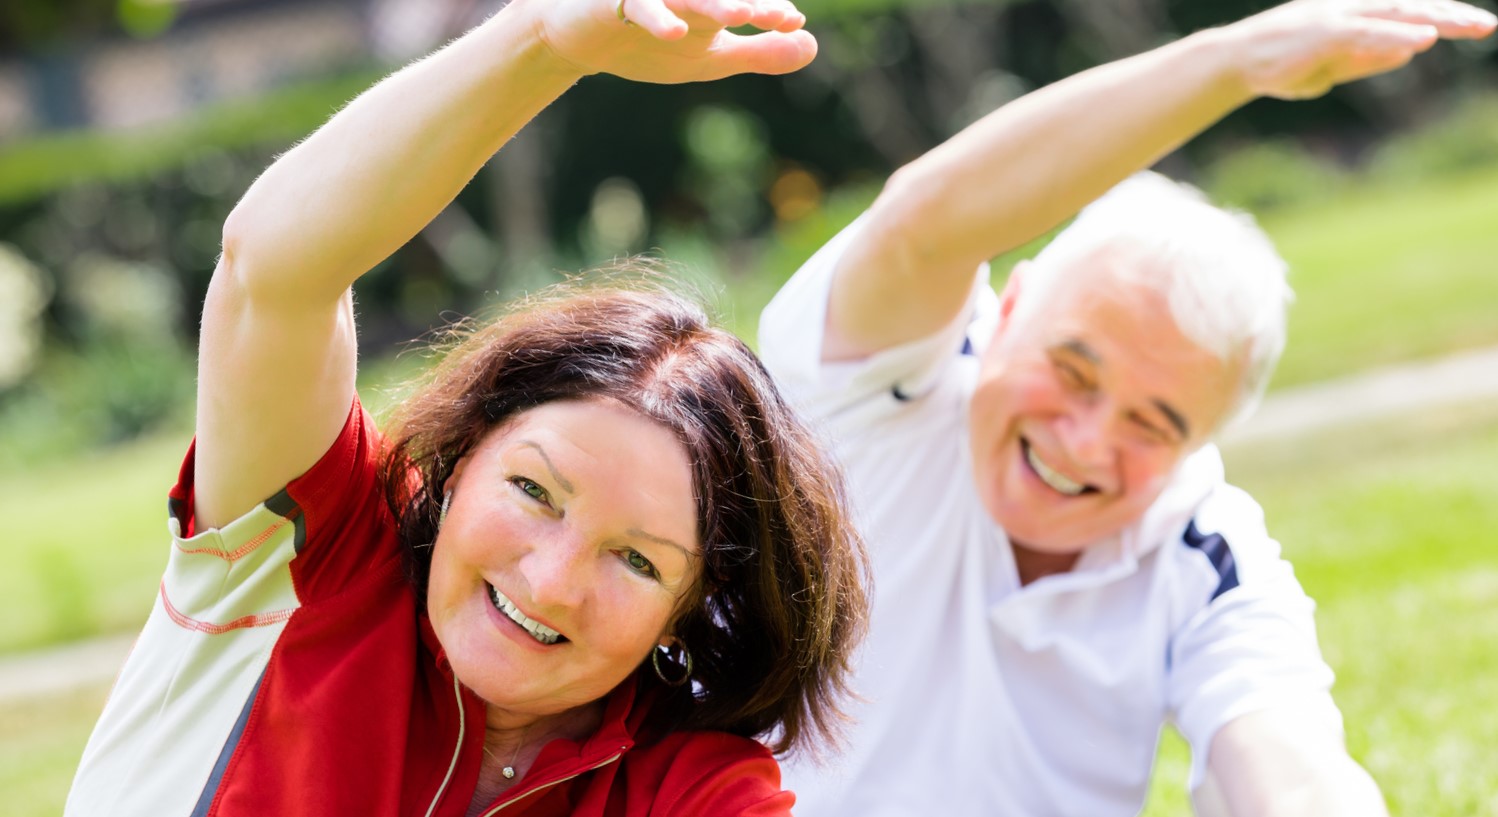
(1087, 434)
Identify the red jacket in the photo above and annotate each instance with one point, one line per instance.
(287, 671)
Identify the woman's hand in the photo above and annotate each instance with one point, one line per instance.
(1304, 48)
(673, 41)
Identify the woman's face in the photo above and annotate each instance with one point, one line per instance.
(570, 537)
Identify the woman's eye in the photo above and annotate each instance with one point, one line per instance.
(531, 489)
(639, 564)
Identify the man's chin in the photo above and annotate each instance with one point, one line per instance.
(1041, 534)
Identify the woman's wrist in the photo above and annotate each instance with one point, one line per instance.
(521, 28)
(546, 26)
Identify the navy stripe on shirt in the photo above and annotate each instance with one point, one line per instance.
(1218, 553)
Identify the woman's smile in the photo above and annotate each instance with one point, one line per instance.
(535, 629)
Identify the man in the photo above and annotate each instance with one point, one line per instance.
(1059, 566)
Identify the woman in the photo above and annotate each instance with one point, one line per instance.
(594, 558)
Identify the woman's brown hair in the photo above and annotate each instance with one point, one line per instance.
(781, 603)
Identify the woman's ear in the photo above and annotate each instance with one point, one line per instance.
(451, 483)
(448, 486)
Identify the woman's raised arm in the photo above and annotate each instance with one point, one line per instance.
(277, 354)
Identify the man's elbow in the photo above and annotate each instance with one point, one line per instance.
(906, 219)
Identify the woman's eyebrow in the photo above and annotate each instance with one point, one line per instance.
(565, 484)
(650, 537)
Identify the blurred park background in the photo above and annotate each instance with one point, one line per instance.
(128, 129)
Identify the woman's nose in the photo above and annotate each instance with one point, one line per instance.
(558, 573)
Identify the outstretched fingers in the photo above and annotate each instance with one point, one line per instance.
(654, 17)
(1374, 45)
(672, 19)
(770, 52)
(768, 15)
(777, 15)
(1450, 19)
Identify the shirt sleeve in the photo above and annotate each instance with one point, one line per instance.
(1253, 646)
(792, 328)
(321, 531)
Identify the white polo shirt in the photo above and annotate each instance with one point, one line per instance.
(983, 697)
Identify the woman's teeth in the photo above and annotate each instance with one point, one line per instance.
(538, 631)
(1051, 477)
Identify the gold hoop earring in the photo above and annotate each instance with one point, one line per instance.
(685, 665)
(442, 514)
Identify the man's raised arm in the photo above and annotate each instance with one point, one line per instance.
(1035, 162)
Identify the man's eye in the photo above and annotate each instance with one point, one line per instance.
(639, 564)
(1149, 431)
(1071, 376)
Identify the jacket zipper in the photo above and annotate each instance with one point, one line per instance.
(457, 751)
(600, 764)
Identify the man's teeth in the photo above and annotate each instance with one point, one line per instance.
(1049, 476)
(538, 631)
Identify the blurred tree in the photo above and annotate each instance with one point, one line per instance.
(33, 25)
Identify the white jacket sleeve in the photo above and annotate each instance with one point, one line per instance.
(791, 333)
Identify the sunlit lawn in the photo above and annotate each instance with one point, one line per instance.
(85, 542)
(1387, 274)
(40, 744)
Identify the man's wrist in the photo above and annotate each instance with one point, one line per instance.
(1224, 57)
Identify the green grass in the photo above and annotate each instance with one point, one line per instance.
(1386, 274)
(86, 541)
(40, 744)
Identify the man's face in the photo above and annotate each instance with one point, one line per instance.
(1085, 405)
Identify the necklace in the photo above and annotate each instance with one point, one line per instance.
(507, 771)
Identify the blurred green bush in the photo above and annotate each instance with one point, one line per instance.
(1271, 174)
(1462, 140)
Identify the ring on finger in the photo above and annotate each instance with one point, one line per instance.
(619, 10)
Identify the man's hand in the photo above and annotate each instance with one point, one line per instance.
(674, 41)
(1304, 48)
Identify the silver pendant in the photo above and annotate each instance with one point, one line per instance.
(508, 772)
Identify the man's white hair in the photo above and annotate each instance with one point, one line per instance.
(1220, 274)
